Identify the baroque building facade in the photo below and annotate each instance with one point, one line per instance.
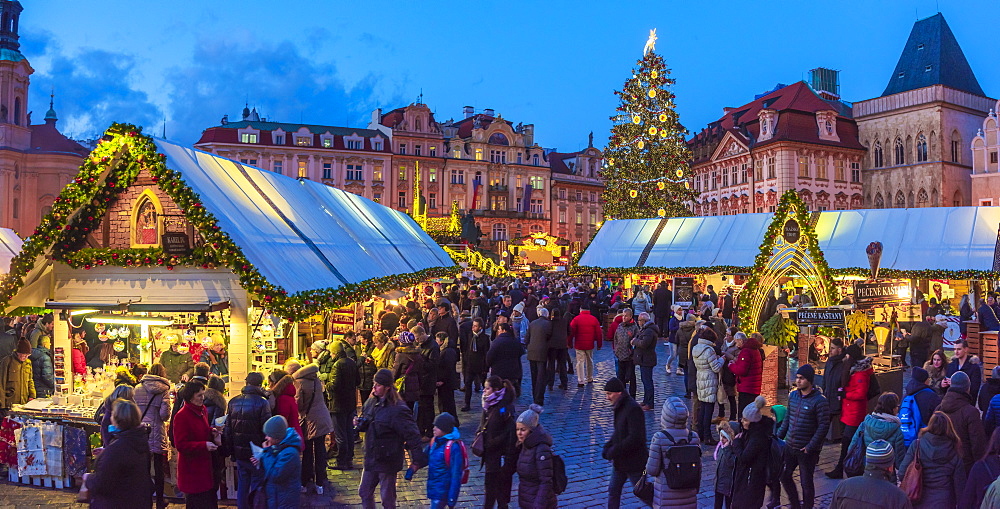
(482, 163)
(36, 161)
(792, 138)
(918, 132)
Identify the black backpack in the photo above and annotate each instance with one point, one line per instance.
(683, 463)
(559, 479)
(776, 460)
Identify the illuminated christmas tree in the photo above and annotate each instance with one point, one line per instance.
(646, 171)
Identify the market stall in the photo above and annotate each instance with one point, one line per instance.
(159, 243)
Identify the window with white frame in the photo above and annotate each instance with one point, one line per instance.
(534, 159)
(456, 154)
(279, 139)
(418, 150)
(327, 170)
(303, 170)
(479, 154)
(593, 196)
(432, 175)
(536, 206)
(377, 144)
(354, 172)
(457, 176)
(276, 167)
(354, 144)
(327, 142)
(402, 172)
(304, 141)
(432, 200)
(537, 182)
(433, 152)
(520, 158)
(401, 200)
(402, 149)
(562, 194)
(855, 172)
(248, 138)
(986, 202)
(499, 231)
(562, 216)
(579, 195)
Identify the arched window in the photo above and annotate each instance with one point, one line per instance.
(898, 149)
(921, 148)
(499, 231)
(934, 198)
(535, 228)
(146, 220)
(922, 198)
(956, 200)
(877, 152)
(909, 201)
(956, 147)
(879, 201)
(498, 139)
(900, 200)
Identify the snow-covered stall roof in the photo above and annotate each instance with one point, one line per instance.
(952, 239)
(303, 235)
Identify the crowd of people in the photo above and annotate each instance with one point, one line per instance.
(392, 389)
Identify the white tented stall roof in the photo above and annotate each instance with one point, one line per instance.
(936, 238)
(303, 235)
(10, 245)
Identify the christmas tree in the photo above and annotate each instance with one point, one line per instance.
(646, 171)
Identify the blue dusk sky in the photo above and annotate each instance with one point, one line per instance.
(552, 63)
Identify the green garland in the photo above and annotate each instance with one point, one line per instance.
(113, 166)
(790, 203)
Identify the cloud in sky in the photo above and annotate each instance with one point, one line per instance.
(284, 85)
(93, 88)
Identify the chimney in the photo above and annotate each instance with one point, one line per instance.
(488, 112)
(468, 111)
(376, 116)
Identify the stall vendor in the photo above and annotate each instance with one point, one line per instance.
(17, 385)
(176, 360)
(80, 349)
(217, 358)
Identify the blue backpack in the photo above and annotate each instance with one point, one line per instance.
(910, 419)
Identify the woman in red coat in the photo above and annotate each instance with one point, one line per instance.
(195, 441)
(283, 391)
(80, 349)
(748, 368)
(854, 406)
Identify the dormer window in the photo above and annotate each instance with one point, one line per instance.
(901, 74)
(927, 68)
(768, 120)
(354, 144)
(826, 125)
(303, 141)
(920, 46)
(248, 138)
(377, 144)
(829, 127)
(279, 139)
(764, 126)
(327, 142)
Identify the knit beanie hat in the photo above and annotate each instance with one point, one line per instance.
(855, 352)
(780, 411)
(23, 346)
(728, 429)
(807, 372)
(445, 422)
(519, 307)
(614, 385)
(406, 338)
(530, 416)
(255, 379)
(383, 377)
(960, 381)
(920, 374)
(319, 346)
(879, 453)
(275, 427)
(674, 414)
(753, 411)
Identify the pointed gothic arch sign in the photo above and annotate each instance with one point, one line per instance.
(789, 249)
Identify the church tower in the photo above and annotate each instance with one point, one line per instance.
(15, 73)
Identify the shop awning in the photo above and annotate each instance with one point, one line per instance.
(953, 239)
(10, 245)
(303, 235)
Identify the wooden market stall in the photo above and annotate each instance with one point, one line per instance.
(153, 235)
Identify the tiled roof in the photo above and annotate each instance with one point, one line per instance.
(229, 133)
(796, 105)
(313, 128)
(45, 138)
(393, 118)
(932, 56)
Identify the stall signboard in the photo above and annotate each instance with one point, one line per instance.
(684, 291)
(176, 244)
(791, 231)
(870, 294)
(824, 317)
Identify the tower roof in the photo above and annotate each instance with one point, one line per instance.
(51, 114)
(932, 56)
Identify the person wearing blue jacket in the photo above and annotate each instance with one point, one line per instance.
(444, 474)
(281, 464)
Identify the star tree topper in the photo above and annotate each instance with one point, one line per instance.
(650, 43)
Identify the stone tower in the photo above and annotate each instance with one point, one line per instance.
(14, 78)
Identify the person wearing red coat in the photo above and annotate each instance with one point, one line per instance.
(748, 368)
(283, 403)
(195, 441)
(80, 349)
(854, 406)
(584, 332)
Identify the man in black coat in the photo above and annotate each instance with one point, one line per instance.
(663, 298)
(445, 322)
(245, 418)
(447, 381)
(537, 342)
(342, 389)
(504, 357)
(474, 359)
(627, 448)
(431, 353)
(644, 356)
(833, 389)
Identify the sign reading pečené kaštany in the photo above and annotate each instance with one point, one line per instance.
(826, 317)
(876, 293)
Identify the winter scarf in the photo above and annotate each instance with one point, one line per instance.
(493, 399)
(378, 354)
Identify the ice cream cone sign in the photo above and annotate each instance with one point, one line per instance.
(874, 252)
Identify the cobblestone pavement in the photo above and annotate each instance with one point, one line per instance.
(580, 421)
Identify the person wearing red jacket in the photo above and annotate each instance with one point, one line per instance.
(282, 389)
(854, 406)
(195, 441)
(748, 368)
(80, 349)
(584, 332)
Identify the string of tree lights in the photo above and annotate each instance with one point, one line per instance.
(646, 160)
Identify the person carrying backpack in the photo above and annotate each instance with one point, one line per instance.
(448, 463)
(536, 465)
(674, 458)
(882, 424)
(918, 405)
(752, 449)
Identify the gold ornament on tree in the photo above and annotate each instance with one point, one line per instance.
(663, 117)
(661, 186)
(636, 119)
(652, 93)
(654, 74)
(661, 212)
(633, 193)
(641, 144)
(680, 173)
(652, 131)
